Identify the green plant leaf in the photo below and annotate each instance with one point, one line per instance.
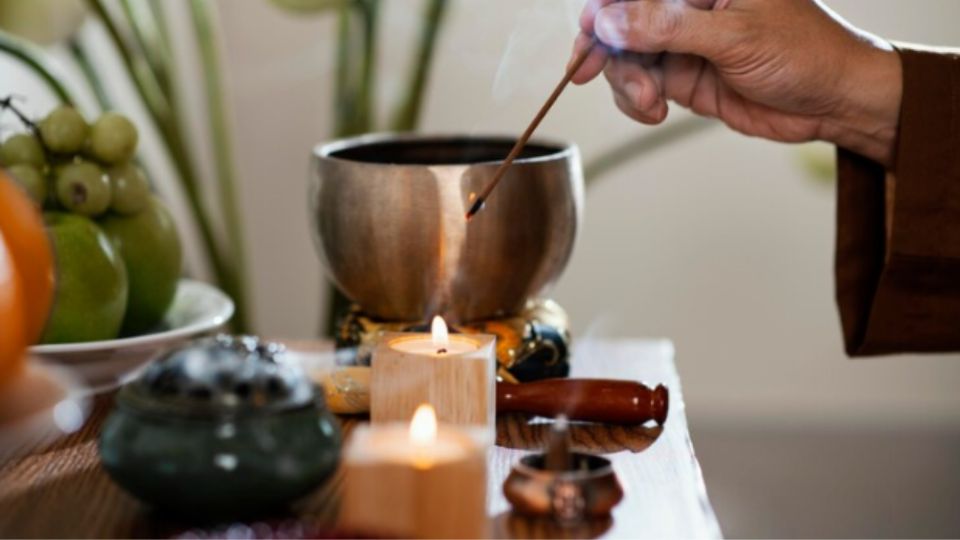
(145, 24)
(34, 58)
(819, 160)
(82, 57)
(634, 148)
(309, 6)
(206, 34)
(356, 60)
(407, 116)
(164, 114)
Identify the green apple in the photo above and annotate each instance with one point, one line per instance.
(91, 293)
(150, 248)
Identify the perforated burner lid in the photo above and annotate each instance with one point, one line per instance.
(221, 376)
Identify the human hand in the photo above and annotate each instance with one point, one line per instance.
(786, 70)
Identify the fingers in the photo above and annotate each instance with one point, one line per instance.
(687, 30)
(682, 73)
(598, 56)
(589, 12)
(709, 4)
(652, 26)
(594, 63)
(652, 117)
(692, 83)
(592, 7)
(638, 90)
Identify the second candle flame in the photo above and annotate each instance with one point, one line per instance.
(423, 427)
(440, 334)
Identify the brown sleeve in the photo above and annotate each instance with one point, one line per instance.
(898, 241)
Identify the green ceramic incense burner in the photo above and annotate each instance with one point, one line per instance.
(220, 428)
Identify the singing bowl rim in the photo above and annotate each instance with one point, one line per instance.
(326, 150)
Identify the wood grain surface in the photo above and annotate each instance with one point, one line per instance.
(61, 491)
(461, 387)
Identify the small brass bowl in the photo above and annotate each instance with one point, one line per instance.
(588, 490)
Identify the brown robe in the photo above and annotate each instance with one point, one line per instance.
(898, 231)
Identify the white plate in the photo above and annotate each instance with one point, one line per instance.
(198, 308)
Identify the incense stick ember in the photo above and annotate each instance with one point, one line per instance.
(574, 66)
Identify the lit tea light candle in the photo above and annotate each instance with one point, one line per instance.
(454, 373)
(439, 343)
(416, 480)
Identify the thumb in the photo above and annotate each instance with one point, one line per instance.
(654, 26)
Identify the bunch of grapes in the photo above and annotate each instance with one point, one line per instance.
(66, 164)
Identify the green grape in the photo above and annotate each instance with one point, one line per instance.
(83, 188)
(113, 138)
(22, 148)
(31, 180)
(131, 191)
(64, 130)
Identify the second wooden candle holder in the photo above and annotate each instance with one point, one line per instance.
(416, 481)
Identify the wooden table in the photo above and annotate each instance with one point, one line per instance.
(61, 491)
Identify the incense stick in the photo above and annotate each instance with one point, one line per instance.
(522, 141)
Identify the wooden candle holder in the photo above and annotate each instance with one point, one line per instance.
(461, 387)
(387, 492)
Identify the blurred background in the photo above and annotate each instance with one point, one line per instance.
(722, 243)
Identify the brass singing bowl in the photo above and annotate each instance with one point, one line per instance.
(389, 223)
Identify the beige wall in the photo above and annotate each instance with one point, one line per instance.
(721, 242)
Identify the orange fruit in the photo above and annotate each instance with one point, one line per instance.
(32, 257)
(26, 276)
(12, 335)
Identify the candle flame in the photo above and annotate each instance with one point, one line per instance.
(423, 427)
(441, 336)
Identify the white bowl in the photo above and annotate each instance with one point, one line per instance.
(197, 309)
